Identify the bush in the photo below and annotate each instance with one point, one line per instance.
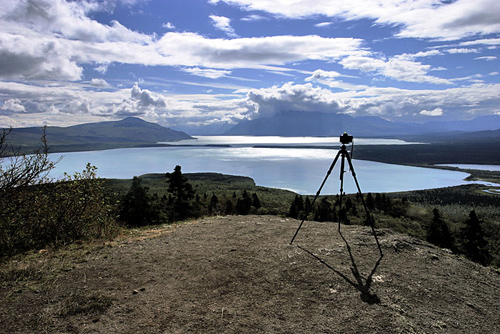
(56, 213)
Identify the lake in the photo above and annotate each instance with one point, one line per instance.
(298, 169)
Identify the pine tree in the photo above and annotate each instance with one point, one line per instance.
(474, 244)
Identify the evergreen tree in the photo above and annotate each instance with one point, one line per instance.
(293, 211)
(244, 204)
(370, 202)
(324, 211)
(307, 205)
(255, 201)
(136, 208)
(296, 207)
(438, 232)
(182, 192)
(474, 244)
(229, 208)
(213, 203)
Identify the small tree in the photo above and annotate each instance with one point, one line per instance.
(212, 207)
(256, 201)
(182, 192)
(136, 206)
(438, 232)
(474, 244)
(244, 204)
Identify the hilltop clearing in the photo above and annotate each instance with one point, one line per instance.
(239, 274)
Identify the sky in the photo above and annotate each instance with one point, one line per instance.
(201, 64)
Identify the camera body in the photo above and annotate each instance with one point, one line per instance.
(345, 138)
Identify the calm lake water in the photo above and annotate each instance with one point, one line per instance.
(297, 169)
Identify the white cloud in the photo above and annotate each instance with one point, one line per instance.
(254, 17)
(223, 23)
(323, 24)
(490, 41)
(487, 58)
(189, 49)
(401, 68)
(435, 112)
(391, 103)
(13, 105)
(53, 40)
(461, 50)
(207, 72)
(168, 25)
(417, 19)
(98, 82)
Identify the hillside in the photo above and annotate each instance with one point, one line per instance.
(239, 274)
(128, 132)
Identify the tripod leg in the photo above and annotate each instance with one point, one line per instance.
(368, 216)
(342, 167)
(317, 194)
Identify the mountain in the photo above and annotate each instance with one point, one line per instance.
(298, 123)
(128, 132)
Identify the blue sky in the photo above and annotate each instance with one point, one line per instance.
(192, 64)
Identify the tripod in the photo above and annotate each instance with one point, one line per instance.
(344, 155)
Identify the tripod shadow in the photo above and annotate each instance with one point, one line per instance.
(361, 284)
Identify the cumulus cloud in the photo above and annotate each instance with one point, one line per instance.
(435, 112)
(390, 103)
(44, 39)
(13, 105)
(98, 82)
(223, 23)
(168, 25)
(146, 98)
(53, 40)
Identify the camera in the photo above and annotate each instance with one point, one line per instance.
(345, 138)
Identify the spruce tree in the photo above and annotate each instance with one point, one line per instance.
(438, 232)
(136, 207)
(182, 192)
(255, 201)
(474, 243)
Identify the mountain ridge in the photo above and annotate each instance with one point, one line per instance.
(128, 132)
(318, 124)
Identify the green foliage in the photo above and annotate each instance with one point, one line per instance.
(56, 213)
(474, 244)
(182, 192)
(438, 232)
(137, 207)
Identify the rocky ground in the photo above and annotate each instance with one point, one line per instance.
(239, 274)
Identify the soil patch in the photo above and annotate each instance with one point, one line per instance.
(239, 274)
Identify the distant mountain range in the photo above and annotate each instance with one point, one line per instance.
(129, 132)
(297, 123)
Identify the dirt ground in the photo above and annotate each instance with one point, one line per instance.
(239, 274)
